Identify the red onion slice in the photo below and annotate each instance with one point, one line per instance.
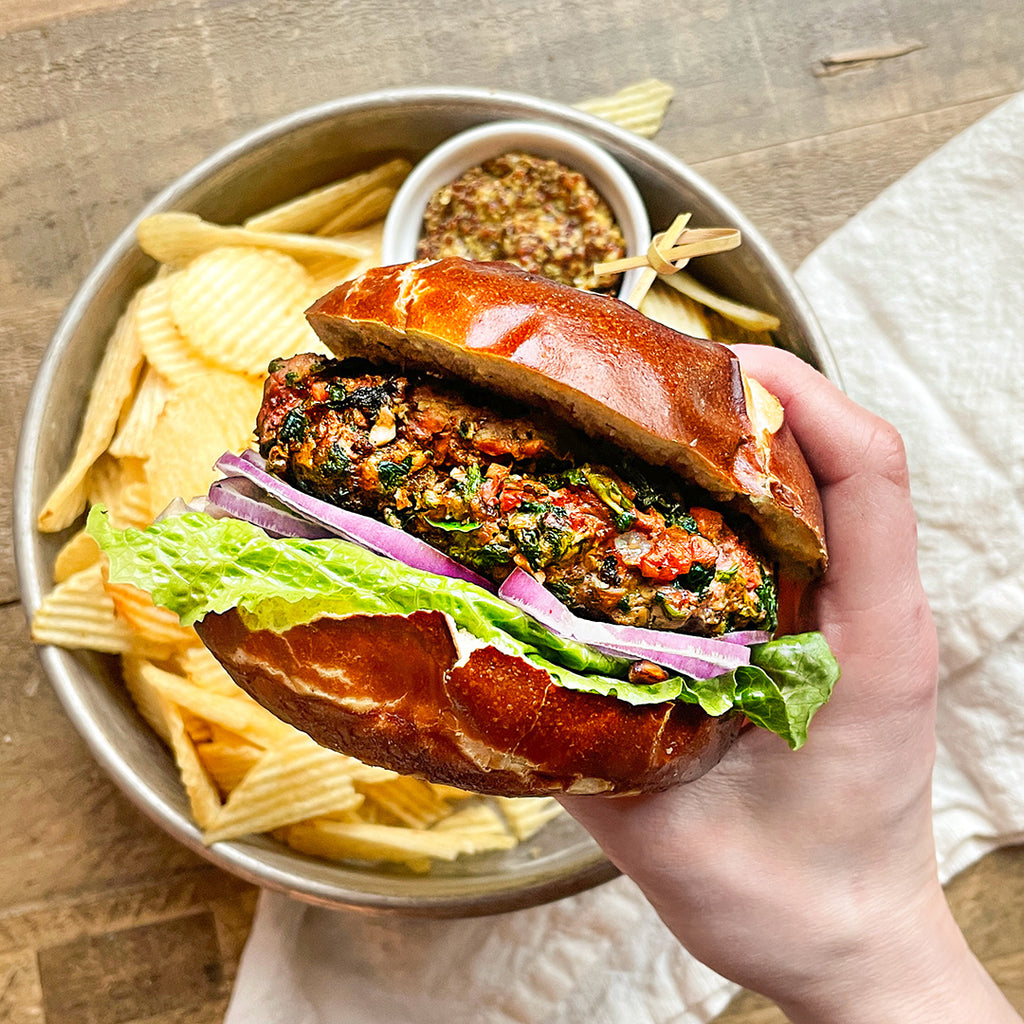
(241, 498)
(747, 637)
(368, 533)
(695, 656)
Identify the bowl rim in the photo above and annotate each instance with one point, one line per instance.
(235, 856)
(458, 153)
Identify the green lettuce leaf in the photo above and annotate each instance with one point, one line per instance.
(194, 564)
(785, 684)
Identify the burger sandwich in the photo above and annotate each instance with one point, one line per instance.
(515, 537)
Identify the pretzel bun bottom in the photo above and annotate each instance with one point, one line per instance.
(393, 691)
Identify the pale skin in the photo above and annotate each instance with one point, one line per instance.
(811, 876)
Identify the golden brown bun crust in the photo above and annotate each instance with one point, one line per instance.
(675, 401)
(392, 691)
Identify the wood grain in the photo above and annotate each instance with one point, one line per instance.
(24, 14)
(800, 192)
(106, 101)
(144, 970)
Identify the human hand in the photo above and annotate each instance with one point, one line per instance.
(811, 876)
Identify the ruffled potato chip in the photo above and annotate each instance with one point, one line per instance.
(291, 782)
(328, 272)
(202, 669)
(79, 614)
(527, 815)
(365, 210)
(122, 485)
(205, 417)
(408, 801)
(415, 848)
(640, 107)
(675, 310)
(203, 795)
(166, 349)
(228, 761)
(479, 827)
(111, 389)
(134, 437)
(313, 210)
(749, 318)
(239, 714)
(178, 238)
(157, 626)
(240, 308)
(79, 553)
(140, 676)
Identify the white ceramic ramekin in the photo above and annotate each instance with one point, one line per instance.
(446, 162)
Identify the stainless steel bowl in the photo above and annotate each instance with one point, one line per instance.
(276, 162)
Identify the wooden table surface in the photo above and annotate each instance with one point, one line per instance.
(103, 918)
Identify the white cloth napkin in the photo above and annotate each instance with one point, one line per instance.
(922, 298)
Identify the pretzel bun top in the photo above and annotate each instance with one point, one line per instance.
(411, 692)
(675, 401)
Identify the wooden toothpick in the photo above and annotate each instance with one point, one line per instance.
(670, 251)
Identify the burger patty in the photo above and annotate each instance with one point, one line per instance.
(496, 489)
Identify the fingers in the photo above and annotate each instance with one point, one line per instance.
(838, 437)
(860, 465)
(872, 605)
